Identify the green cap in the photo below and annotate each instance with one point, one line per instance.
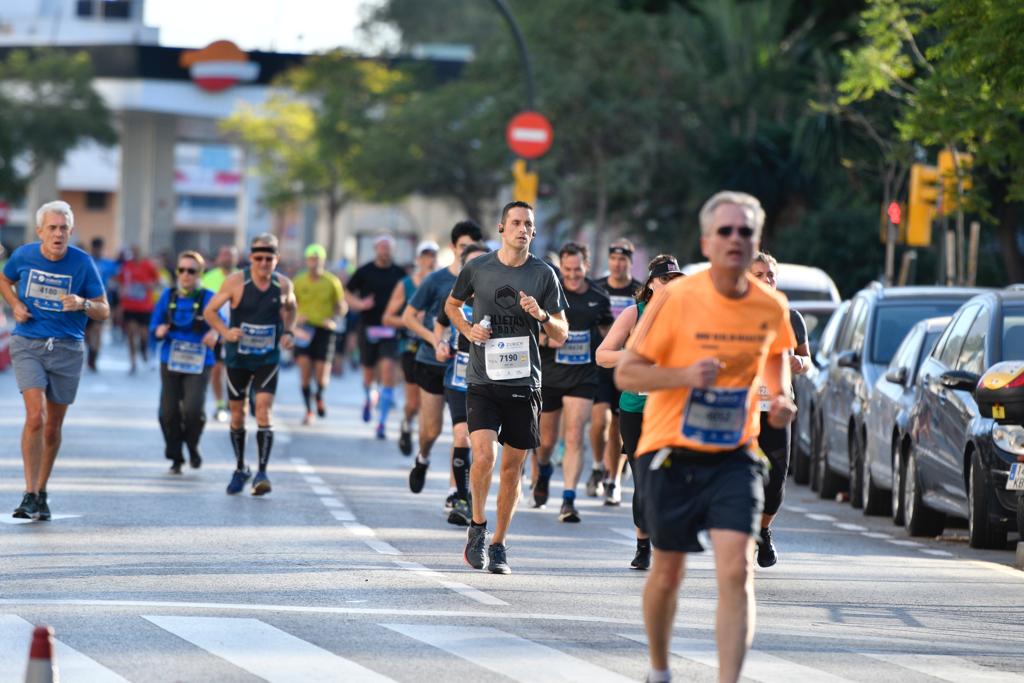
(317, 251)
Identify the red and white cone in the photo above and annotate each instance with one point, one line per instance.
(41, 665)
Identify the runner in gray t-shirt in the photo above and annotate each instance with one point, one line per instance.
(520, 295)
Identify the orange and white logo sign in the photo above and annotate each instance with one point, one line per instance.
(219, 65)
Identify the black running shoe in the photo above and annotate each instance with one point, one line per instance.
(418, 475)
(405, 442)
(460, 514)
(321, 409)
(195, 459)
(568, 512)
(766, 554)
(476, 547)
(28, 508)
(595, 485)
(176, 467)
(42, 508)
(642, 559)
(449, 502)
(540, 491)
(497, 563)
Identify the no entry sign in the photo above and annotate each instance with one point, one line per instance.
(529, 135)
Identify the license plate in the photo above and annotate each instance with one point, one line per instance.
(1015, 482)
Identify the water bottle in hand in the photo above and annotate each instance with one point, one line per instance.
(486, 324)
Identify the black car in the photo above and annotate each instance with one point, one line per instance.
(888, 418)
(878, 320)
(808, 388)
(958, 462)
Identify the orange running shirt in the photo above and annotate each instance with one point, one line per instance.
(689, 321)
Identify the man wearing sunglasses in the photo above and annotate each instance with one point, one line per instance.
(702, 350)
(263, 310)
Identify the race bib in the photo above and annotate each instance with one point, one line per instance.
(575, 350)
(46, 291)
(507, 358)
(459, 366)
(304, 336)
(257, 340)
(715, 417)
(764, 402)
(378, 333)
(620, 303)
(186, 357)
(136, 291)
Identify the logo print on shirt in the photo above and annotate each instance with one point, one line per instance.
(506, 297)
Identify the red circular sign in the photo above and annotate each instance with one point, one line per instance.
(529, 135)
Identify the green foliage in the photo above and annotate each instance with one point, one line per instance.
(47, 107)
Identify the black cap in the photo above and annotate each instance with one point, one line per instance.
(665, 268)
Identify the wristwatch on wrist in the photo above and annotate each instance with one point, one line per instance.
(547, 318)
(86, 305)
(287, 332)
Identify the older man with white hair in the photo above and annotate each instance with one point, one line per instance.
(53, 289)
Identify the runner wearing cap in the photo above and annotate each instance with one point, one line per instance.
(426, 261)
(606, 446)
(701, 350)
(418, 318)
(368, 292)
(518, 295)
(320, 300)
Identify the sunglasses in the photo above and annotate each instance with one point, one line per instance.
(260, 259)
(190, 271)
(744, 231)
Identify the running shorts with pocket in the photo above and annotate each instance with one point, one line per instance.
(513, 412)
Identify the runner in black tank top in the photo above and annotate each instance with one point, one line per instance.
(262, 316)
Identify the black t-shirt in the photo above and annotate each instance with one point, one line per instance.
(621, 297)
(512, 355)
(574, 363)
(380, 282)
(796, 321)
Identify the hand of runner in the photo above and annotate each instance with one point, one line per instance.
(21, 313)
(234, 335)
(441, 351)
(479, 334)
(161, 331)
(703, 373)
(781, 412)
(73, 302)
(796, 364)
(209, 339)
(366, 303)
(288, 341)
(530, 305)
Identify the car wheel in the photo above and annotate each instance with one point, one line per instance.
(876, 500)
(856, 458)
(829, 483)
(919, 519)
(898, 477)
(982, 531)
(801, 460)
(1020, 516)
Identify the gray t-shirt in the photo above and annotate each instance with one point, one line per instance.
(429, 298)
(513, 331)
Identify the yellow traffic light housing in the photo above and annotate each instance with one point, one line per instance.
(924, 195)
(524, 186)
(954, 166)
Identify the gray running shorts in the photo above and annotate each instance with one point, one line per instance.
(51, 364)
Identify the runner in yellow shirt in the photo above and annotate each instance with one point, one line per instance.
(321, 299)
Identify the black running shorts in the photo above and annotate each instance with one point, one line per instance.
(430, 378)
(371, 353)
(775, 444)
(692, 492)
(552, 396)
(263, 377)
(320, 347)
(607, 392)
(409, 366)
(456, 401)
(512, 412)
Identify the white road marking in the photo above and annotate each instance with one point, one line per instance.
(944, 667)
(903, 542)
(820, 517)
(460, 588)
(797, 509)
(331, 502)
(382, 547)
(628, 533)
(313, 479)
(875, 534)
(360, 530)
(936, 553)
(323, 490)
(265, 651)
(343, 515)
(11, 520)
(850, 527)
(508, 655)
(15, 639)
(757, 666)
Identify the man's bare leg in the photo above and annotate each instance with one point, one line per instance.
(734, 629)
(32, 436)
(661, 594)
(55, 413)
(481, 471)
(512, 460)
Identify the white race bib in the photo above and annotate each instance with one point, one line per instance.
(620, 303)
(507, 358)
(47, 290)
(716, 417)
(186, 357)
(459, 367)
(575, 350)
(257, 340)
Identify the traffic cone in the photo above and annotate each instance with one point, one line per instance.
(41, 667)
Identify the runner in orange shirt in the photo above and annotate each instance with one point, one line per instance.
(702, 350)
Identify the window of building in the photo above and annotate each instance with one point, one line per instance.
(85, 8)
(204, 203)
(96, 201)
(117, 9)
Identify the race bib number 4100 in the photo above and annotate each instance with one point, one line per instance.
(507, 358)
(46, 291)
(716, 417)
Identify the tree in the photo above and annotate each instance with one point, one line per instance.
(47, 107)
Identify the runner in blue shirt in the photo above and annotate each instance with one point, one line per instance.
(53, 288)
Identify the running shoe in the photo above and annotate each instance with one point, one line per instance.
(260, 484)
(595, 485)
(321, 409)
(176, 467)
(418, 475)
(28, 508)
(238, 480)
(766, 554)
(449, 502)
(380, 432)
(540, 491)
(405, 442)
(642, 559)
(43, 508)
(460, 514)
(568, 512)
(476, 547)
(221, 415)
(612, 494)
(308, 418)
(497, 562)
(367, 411)
(195, 459)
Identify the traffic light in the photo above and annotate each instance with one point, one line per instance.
(948, 162)
(897, 214)
(524, 187)
(924, 194)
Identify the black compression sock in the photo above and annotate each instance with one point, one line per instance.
(305, 396)
(478, 526)
(461, 462)
(319, 393)
(264, 442)
(238, 443)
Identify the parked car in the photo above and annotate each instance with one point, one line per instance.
(808, 388)
(958, 460)
(888, 418)
(878, 320)
(798, 283)
(816, 314)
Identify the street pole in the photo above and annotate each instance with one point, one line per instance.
(524, 54)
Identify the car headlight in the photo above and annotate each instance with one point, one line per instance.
(1010, 438)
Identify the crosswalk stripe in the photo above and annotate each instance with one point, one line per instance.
(757, 666)
(508, 655)
(265, 651)
(945, 667)
(15, 639)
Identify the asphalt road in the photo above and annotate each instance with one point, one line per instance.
(341, 574)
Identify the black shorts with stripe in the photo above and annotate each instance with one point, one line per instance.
(263, 378)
